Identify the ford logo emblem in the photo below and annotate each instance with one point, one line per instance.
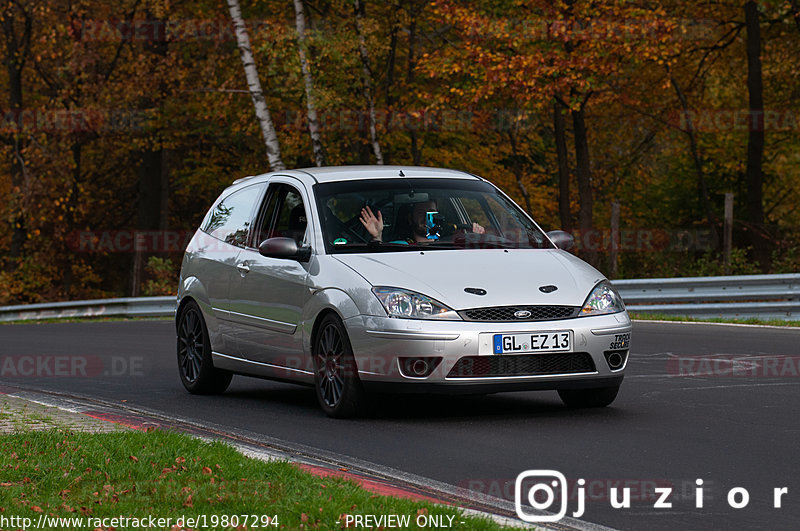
(522, 314)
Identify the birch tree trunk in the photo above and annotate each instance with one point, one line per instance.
(254, 85)
(313, 120)
(367, 81)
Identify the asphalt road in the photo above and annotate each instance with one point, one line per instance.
(733, 425)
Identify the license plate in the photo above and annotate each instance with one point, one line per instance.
(558, 341)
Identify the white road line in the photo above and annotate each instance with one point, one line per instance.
(775, 384)
(774, 327)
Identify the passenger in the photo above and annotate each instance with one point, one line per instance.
(417, 229)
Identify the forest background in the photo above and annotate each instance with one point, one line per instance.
(122, 121)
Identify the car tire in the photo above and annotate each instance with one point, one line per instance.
(338, 387)
(584, 398)
(196, 369)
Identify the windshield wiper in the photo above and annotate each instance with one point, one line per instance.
(447, 246)
(387, 247)
(374, 246)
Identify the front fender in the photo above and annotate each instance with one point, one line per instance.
(326, 299)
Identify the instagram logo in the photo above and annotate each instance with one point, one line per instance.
(537, 491)
(542, 489)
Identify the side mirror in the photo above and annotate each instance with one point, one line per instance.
(284, 248)
(563, 240)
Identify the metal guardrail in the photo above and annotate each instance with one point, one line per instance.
(732, 297)
(126, 307)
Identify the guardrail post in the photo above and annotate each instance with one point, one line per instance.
(727, 233)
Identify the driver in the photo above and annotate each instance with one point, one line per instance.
(416, 221)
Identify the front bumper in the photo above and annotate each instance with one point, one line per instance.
(382, 346)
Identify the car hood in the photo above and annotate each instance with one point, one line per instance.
(510, 277)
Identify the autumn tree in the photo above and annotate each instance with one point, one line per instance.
(16, 19)
(578, 54)
(135, 115)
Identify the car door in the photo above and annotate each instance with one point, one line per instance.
(225, 232)
(268, 294)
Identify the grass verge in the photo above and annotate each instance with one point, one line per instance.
(160, 474)
(680, 318)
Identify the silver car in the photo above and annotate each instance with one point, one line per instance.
(381, 278)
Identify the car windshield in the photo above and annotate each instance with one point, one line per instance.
(411, 214)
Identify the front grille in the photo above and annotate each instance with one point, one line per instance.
(506, 313)
(522, 365)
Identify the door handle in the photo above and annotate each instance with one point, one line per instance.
(243, 268)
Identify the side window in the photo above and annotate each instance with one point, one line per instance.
(513, 226)
(282, 215)
(475, 211)
(230, 220)
(267, 214)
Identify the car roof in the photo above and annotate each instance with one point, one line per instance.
(351, 173)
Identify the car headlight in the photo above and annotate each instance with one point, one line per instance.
(412, 305)
(602, 300)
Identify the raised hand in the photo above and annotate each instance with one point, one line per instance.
(373, 224)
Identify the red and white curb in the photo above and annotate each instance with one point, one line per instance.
(374, 478)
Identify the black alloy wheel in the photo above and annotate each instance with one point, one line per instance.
(197, 371)
(339, 390)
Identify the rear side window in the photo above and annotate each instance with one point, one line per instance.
(230, 220)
